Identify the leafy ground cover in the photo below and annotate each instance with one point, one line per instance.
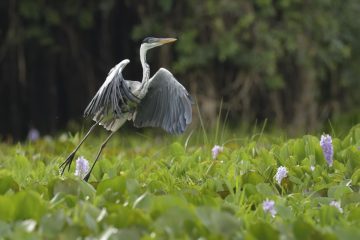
(176, 188)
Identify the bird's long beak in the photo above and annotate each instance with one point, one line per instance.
(166, 40)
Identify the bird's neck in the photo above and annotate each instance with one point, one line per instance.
(146, 72)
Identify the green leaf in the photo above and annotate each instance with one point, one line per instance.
(219, 222)
(116, 184)
(350, 232)
(7, 183)
(354, 215)
(5, 229)
(53, 223)
(252, 178)
(304, 230)
(72, 187)
(265, 189)
(355, 178)
(337, 192)
(124, 233)
(352, 154)
(122, 217)
(284, 212)
(7, 208)
(22, 205)
(29, 205)
(299, 149)
(176, 149)
(295, 180)
(262, 230)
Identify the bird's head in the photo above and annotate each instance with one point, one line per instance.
(151, 42)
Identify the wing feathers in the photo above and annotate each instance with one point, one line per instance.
(167, 104)
(112, 100)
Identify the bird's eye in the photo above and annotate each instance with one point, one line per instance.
(148, 40)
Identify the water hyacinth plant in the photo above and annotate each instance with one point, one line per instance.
(280, 174)
(269, 207)
(82, 167)
(216, 150)
(327, 148)
(169, 191)
(33, 135)
(337, 205)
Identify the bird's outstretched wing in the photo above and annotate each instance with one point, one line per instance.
(166, 104)
(113, 98)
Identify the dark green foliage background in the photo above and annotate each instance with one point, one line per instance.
(293, 62)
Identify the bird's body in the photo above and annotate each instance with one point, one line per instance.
(119, 100)
(160, 101)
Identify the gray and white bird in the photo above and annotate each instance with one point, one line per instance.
(160, 101)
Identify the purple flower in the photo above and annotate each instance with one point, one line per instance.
(216, 150)
(327, 148)
(269, 206)
(33, 134)
(281, 174)
(337, 205)
(82, 167)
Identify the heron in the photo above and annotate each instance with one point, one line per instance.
(159, 101)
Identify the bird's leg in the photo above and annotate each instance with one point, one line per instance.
(69, 159)
(86, 178)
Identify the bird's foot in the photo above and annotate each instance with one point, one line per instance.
(67, 163)
(87, 176)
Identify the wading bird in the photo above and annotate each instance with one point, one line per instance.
(160, 101)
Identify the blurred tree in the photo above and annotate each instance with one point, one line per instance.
(53, 57)
(287, 60)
